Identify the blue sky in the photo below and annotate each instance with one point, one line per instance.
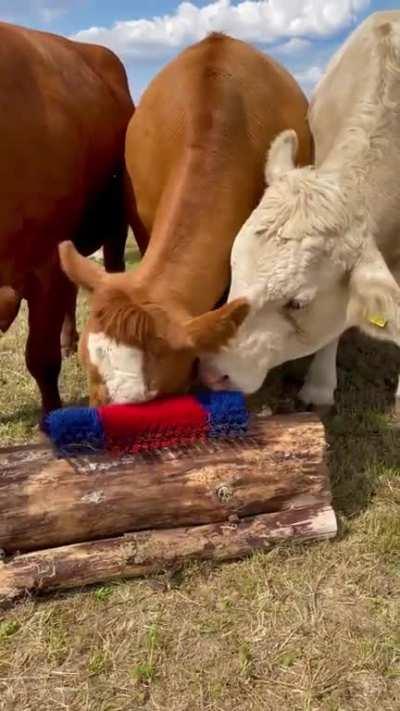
(302, 34)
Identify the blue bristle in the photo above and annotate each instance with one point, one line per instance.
(227, 413)
(79, 430)
(75, 430)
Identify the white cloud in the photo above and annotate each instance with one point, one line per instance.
(309, 78)
(49, 14)
(262, 21)
(25, 10)
(296, 45)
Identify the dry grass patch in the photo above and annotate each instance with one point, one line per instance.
(313, 628)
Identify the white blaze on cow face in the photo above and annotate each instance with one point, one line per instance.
(309, 268)
(121, 368)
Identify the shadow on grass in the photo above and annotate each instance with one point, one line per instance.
(363, 439)
(363, 435)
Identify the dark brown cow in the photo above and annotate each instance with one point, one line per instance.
(195, 154)
(64, 108)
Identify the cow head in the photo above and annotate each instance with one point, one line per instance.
(132, 348)
(307, 264)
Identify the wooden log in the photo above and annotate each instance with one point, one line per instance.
(149, 552)
(46, 502)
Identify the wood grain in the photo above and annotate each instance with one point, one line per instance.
(46, 502)
(149, 552)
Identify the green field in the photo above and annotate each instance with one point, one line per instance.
(312, 627)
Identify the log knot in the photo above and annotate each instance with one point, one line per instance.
(95, 497)
(224, 493)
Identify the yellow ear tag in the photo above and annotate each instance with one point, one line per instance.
(378, 320)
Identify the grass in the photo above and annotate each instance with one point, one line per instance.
(302, 628)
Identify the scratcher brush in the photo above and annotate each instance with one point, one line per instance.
(167, 422)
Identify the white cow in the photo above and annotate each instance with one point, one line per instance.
(321, 252)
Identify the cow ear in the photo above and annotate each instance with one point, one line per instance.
(210, 331)
(374, 304)
(80, 270)
(281, 156)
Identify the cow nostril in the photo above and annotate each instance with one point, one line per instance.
(222, 382)
(212, 378)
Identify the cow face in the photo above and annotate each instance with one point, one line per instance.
(133, 349)
(307, 265)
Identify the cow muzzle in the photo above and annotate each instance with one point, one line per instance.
(213, 379)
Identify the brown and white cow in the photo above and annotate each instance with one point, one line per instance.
(321, 253)
(195, 155)
(64, 109)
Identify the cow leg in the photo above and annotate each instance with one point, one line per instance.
(69, 333)
(321, 380)
(105, 224)
(47, 304)
(114, 247)
(115, 226)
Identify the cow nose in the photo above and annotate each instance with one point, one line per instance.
(213, 379)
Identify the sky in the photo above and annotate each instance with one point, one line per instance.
(146, 34)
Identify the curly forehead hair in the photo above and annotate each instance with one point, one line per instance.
(301, 204)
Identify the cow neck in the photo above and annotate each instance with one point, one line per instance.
(201, 210)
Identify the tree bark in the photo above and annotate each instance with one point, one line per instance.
(149, 552)
(47, 502)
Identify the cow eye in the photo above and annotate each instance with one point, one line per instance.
(294, 305)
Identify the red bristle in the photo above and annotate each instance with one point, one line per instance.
(169, 422)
